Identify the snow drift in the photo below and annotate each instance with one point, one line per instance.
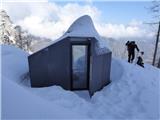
(132, 94)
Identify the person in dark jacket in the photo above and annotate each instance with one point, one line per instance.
(140, 60)
(131, 46)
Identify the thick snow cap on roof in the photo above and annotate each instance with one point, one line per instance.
(84, 27)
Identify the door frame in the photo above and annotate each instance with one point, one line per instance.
(86, 43)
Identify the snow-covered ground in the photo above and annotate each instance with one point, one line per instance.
(132, 94)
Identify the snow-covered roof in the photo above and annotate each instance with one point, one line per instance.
(84, 27)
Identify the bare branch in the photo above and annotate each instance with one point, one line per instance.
(152, 23)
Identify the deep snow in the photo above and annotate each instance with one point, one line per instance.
(132, 94)
(84, 27)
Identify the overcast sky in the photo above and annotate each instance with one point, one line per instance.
(52, 18)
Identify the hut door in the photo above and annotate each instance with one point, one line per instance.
(80, 67)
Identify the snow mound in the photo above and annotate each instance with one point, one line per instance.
(132, 94)
(84, 27)
(14, 63)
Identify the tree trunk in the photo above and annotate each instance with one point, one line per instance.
(159, 63)
(156, 45)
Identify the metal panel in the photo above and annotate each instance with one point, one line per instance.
(38, 69)
(100, 72)
(59, 59)
(51, 66)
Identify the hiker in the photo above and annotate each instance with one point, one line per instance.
(131, 46)
(140, 59)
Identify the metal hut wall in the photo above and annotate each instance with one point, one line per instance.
(76, 61)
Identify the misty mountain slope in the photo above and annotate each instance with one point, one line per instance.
(119, 49)
(132, 94)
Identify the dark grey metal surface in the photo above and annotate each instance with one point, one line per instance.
(100, 72)
(53, 65)
(107, 68)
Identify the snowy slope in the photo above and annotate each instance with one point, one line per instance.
(133, 93)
